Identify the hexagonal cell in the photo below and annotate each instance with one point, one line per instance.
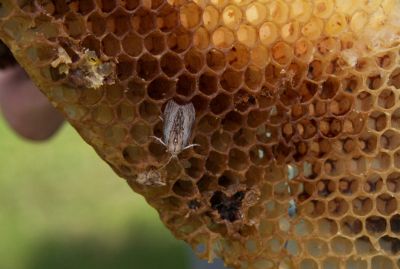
(243, 100)
(147, 67)
(377, 120)
(238, 56)
(121, 22)
(325, 187)
(208, 124)
(246, 35)
(186, 85)
(386, 99)
(184, 188)
(195, 170)
(232, 121)
(362, 205)
(268, 33)
(222, 37)
(134, 154)
(256, 117)
(254, 175)
(132, 44)
(386, 204)
(167, 18)
(221, 141)
(260, 155)
(216, 162)
(282, 53)
(375, 225)
(330, 127)
(149, 111)
(74, 25)
(125, 112)
(110, 45)
(210, 17)
(351, 226)
(155, 43)
(91, 96)
(200, 104)
(381, 261)
(348, 186)
(364, 246)
(308, 90)
(259, 56)
(237, 159)
(231, 80)
(201, 38)
(316, 247)
(329, 88)
(253, 77)
(314, 208)
(92, 43)
(215, 59)
(327, 227)
(381, 162)
(141, 132)
(160, 88)
(135, 92)
(386, 60)
(341, 245)
(207, 183)
(208, 83)
(390, 139)
(341, 105)
(220, 104)
(364, 101)
(374, 82)
(390, 245)
(194, 61)
(143, 21)
(368, 142)
(125, 68)
(337, 207)
(171, 64)
(114, 93)
(190, 15)
(373, 183)
(103, 114)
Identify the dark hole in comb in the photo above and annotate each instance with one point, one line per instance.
(227, 207)
(194, 204)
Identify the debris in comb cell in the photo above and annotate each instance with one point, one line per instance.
(87, 71)
(150, 178)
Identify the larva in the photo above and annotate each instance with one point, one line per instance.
(178, 123)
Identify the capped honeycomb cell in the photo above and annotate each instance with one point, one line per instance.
(293, 157)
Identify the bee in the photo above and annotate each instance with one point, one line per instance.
(177, 129)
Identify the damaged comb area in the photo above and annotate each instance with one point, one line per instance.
(297, 117)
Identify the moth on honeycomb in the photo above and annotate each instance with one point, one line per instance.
(295, 113)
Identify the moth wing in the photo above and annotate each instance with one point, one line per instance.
(189, 114)
(170, 111)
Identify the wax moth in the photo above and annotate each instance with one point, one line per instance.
(178, 123)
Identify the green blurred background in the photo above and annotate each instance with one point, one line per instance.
(62, 207)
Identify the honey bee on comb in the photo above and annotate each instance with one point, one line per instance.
(294, 105)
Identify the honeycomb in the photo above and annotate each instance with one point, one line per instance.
(297, 117)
